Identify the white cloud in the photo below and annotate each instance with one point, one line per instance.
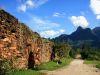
(57, 14)
(51, 33)
(95, 6)
(62, 30)
(46, 28)
(44, 24)
(28, 4)
(40, 2)
(38, 21)
(79, 21)
(98, 17)
(22, 8)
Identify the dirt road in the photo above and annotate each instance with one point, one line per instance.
(76, 68)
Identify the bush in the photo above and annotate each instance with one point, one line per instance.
(98, 65)
(5, 68)
(62, 49)
(91, 54)
(73, 52)
(94, 62)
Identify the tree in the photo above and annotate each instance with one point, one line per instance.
(62, 49)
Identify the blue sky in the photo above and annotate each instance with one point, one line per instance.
(51, 18)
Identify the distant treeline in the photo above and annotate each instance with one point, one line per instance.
(64, 49)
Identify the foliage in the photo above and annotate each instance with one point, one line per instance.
(27, 32)
(95, 62)
(74, 51)
(98, 65)
(45, 40)
(91, 62)
(62, 49)
(26, 72)
(87, 52)
(91, 54)
(5, 68)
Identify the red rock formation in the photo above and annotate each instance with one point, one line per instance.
(17, 42)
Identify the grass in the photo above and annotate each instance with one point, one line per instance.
(52, 65)
(26, 72)
(98, 65)
(91, 62)
(94, 62)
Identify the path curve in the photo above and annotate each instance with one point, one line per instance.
(76, 68)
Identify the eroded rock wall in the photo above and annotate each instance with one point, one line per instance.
(20, 45)
(46, 50)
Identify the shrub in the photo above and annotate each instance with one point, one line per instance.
(98, 65)
(62, 49)
(91, 54)
(5, 68)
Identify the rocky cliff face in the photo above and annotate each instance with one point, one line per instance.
(47, 50)
(20, 45)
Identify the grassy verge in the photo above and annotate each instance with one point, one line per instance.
(26, 72)
(98, 65)
(91, 62)
(52, 65)
(94, 62)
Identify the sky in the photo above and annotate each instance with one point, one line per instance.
(51, 18)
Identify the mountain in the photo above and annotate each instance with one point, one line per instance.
(63, 37)
(97, 31)
(82, 35)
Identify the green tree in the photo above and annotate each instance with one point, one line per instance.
(62, 49)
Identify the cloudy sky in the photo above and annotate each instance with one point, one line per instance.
(51, 18)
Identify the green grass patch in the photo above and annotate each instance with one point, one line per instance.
(26, 72)
(98, 65)
(94, 62)
(52, 65)
(91, 62)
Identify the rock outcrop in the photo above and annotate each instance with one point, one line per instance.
(20, 45)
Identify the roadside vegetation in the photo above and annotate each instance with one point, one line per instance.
(52, 65)
(93, 62)
(98, 65)
(6, 69)
(90, 55)
(26, 72)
